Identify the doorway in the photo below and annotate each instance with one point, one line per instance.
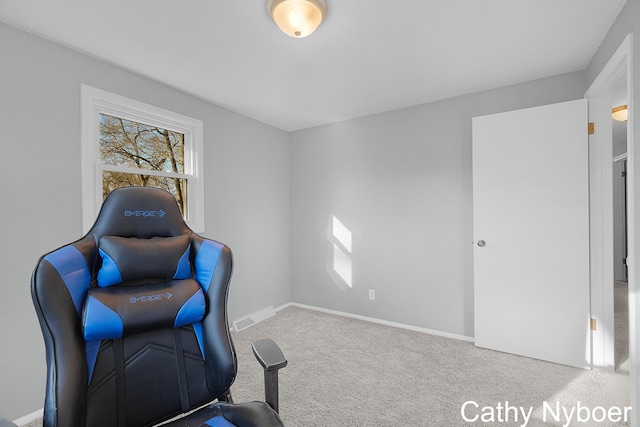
(620, 245)
(617, 73)
(620, 282)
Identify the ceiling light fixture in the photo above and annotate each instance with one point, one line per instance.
(619, 113)
(297, 18)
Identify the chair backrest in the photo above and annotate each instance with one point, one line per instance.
(134, 316)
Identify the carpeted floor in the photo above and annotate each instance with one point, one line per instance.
(621, 325)
(348, 372)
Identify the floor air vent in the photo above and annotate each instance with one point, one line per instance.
(254, 318)
(244, 323)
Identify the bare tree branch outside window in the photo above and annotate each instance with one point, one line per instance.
(142, 155)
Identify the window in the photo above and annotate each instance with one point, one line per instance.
(125, 142)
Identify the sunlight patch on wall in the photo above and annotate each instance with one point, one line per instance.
(342, 265)
(340, 268)
(342, 234)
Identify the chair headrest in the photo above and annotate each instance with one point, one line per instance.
(141, 212)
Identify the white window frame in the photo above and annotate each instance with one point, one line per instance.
(95, 102)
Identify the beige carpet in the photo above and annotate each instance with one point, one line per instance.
(347, 372)
(621, 322)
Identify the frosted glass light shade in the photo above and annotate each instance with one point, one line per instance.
(297, 18)
(619, 113)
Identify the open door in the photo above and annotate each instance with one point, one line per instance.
(531, 232)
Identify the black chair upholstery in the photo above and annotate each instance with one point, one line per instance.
(134, 318)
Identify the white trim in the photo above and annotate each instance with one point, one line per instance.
(29, 418)
(613, 73)
(96, 101)
(151, 172)
(378, 321)
(634, 287)
(601, 233)
(618, 70)
(622, 156)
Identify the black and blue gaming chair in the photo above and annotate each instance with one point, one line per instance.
(134, 318)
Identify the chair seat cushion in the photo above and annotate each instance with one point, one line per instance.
(218, 421)
(118, 311)
(127, 259)
(249, 414)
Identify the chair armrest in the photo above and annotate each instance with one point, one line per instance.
(269, 354)
(272, 360)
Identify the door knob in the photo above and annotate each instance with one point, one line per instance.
(481, 243)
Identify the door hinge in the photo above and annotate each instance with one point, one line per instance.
(593, 324)
(591, 128)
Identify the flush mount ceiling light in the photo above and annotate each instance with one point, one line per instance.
(297, 18)
(619, 113)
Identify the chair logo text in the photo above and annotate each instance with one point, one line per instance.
(149, 298)
(141, 213)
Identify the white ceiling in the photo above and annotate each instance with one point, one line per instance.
(369, 56)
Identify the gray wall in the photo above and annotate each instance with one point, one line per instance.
(246, 186)
(401, 182)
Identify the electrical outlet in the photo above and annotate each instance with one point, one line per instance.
(372, 294)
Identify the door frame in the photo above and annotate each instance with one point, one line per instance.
(618, 70)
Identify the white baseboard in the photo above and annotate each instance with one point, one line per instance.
(379, 321)
(30, 417)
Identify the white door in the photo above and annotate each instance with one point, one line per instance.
(531, 232)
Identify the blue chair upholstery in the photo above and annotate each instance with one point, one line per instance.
(134, 319)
